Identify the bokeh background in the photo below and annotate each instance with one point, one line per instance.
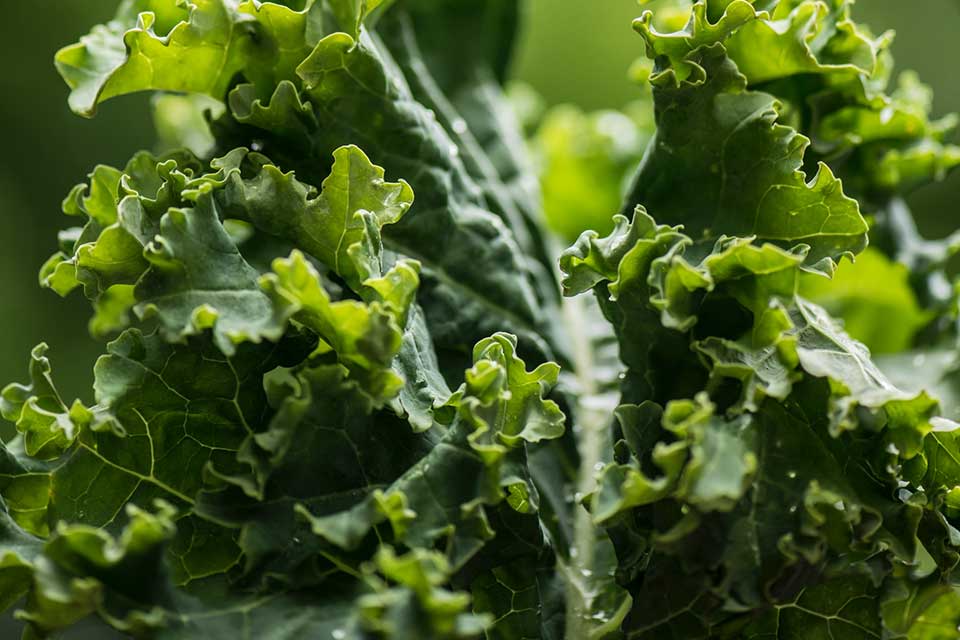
(572, 51)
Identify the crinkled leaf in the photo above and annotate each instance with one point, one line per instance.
(150, 43)
(747, 167)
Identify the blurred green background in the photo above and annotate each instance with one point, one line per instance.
(574, 51)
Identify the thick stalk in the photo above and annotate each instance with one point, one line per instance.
(592, 424)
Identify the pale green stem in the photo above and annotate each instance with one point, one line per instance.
(592, 420)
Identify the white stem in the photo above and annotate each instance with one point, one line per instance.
(592, 421)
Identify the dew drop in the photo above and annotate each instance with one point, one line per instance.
(339, 634)
(791, 474)
(598, 466)
(459, 125)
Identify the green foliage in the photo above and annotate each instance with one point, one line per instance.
(770, 481)
(343, 397)
(586, 160)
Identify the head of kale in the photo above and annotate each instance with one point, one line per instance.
(346, 393)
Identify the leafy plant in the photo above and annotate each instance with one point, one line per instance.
(343, 397)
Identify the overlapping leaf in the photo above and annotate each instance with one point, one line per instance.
(274, 450)
(831, 78)
(789, 380)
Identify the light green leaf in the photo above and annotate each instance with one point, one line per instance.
(151, 42)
